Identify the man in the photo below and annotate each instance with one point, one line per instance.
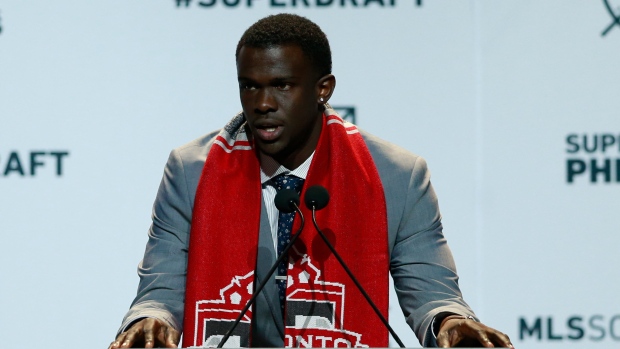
(383, 216)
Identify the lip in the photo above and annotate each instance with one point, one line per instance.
(268, 131)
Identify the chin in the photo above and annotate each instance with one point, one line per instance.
(270, 150)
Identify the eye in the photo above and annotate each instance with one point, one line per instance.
(284, 86)
(247, 86)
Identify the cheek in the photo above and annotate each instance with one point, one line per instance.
(248, 104)
(301, 102)
(243, 98)
(247, 96)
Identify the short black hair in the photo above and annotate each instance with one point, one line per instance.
(289, 29)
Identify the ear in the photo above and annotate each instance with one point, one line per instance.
(325, 87)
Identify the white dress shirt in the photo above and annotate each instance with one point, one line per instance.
(270, 168)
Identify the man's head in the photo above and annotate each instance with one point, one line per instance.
(283, 85)
(288, 29)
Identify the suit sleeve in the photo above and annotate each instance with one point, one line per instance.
(422, 266)
(162, 271)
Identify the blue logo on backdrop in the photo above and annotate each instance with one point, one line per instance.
(292, 3)
(347, 113)
(591, 157)
(615, 17)
(32, 163)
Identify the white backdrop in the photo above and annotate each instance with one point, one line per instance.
(498, 96)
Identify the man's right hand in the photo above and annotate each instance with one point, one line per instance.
(147, 333)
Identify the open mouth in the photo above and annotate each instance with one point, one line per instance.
(269, 133)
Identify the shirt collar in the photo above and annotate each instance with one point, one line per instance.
(270, 168)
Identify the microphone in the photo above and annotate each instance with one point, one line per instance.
(317, 198)
(286, 200)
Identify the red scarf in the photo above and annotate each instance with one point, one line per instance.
(329, 310)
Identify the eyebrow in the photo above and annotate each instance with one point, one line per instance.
(274, 80)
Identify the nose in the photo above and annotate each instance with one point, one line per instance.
(265, 101)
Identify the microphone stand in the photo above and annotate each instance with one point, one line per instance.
(359, 286)
(283, 255)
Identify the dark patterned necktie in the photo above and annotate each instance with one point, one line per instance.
(285, 225)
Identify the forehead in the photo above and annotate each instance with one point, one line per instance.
(272, 62)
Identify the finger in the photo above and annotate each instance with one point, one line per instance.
(117, 342)
(502, 339)
(130, 337)
(483, 338)
(127, 342)
(443, 340)
(172, 337)
(149, 336)
(162, 339)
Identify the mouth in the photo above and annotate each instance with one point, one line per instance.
(268, 133)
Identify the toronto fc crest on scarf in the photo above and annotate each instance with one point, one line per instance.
(314, 311)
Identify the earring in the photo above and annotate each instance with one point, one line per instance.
(321, 99)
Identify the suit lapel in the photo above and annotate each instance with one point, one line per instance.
(268, 306)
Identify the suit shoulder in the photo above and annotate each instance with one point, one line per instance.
(388, 155)
(186, 163)
(197, 149)
(203, 141)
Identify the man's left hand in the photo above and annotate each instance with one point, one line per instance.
(456, 330)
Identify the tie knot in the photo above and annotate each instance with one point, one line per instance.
(285, 181)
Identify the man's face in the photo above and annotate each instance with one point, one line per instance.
(279, 94)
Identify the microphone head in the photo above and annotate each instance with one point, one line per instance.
(286, 199)
(316, 197)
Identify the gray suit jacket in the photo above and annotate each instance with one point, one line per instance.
(421, 264)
